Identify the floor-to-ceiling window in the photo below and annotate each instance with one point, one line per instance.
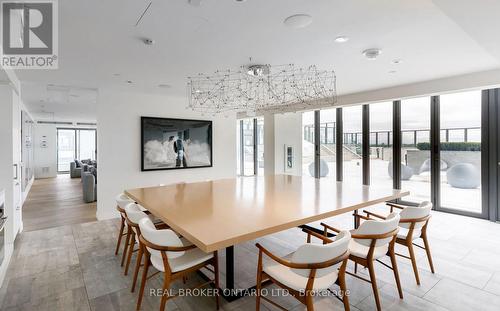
(75, 144)
(352, 147)
(250, 146)
(66, 148)
(328, 143)
(415, 149)
(460, 133)
(308, 143)
(381, 143)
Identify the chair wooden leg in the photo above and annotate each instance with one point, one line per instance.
(144, 278)
(373, 280)
(127, 241)
(413, 261)
(309, 302)
(130, 251)
(216, 279)
(428, 251)
(120, 235)
(343, 288)
(164, 294)
(394, 265)
(137, 266)
(258, 286)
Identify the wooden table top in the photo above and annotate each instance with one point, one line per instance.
(221, 213)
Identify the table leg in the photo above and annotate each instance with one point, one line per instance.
(230, 268)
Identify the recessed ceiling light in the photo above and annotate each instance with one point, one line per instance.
(298, 21)
(392, 71)
(341, 39)
(129, 81)
(116, 74)
(74, 95)
(397, 61)
(372, 54)
(164, 86)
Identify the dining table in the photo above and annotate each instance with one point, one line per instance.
(218, 214)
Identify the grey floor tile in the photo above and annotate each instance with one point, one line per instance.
(457, 296)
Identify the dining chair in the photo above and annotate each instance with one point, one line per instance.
(372, 240)
(312, 268)
(175, 257)
(133, 214)
(412, 226)
(122, 200)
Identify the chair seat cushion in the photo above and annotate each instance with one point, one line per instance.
(287, 277)
(360, 250)
(403, 232)
(190, 259)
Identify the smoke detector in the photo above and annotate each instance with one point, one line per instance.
(298, 21)
(372, 54)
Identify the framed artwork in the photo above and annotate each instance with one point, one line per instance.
(168, 144)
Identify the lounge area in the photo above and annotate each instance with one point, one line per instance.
(250, 155)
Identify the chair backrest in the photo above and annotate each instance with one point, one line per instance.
(134, 214)
(415, 212)
(163, 237)
(123, 200)
(371, 227)
(316, 253)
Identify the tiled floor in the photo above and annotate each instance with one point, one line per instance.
(73, 267)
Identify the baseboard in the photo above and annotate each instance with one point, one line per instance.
(107, 215)
(9, 249)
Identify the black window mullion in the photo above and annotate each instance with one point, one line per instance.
(242, 149)
(396, 144)
(317, 144)
(255, 148)
(366, 144)
(339, 148)
(435, 140)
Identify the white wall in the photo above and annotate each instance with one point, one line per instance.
(288, 131)
(119, 148)
(6, 168)
(45, 158)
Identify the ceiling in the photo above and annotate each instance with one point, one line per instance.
(100, 46)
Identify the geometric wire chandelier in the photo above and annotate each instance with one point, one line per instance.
(259, 88)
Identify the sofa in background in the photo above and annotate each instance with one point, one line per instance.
(75, 169)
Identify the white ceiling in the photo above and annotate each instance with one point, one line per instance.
(98, 39)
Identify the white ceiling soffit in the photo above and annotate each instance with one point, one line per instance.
(101, 47)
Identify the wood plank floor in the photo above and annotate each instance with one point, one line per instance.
(73, 267)
(54, 202)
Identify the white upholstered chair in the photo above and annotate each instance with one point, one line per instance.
(133, 214)
(312, 268)
(371, 241)
(121, 201)
(412, 225)
(175, 257)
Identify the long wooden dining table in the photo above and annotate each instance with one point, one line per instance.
(218, 214)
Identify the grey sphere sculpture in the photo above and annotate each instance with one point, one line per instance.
(323, 168)
(406, 171)
(464, 175)
(426, 166)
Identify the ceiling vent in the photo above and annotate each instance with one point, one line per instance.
(55, 122)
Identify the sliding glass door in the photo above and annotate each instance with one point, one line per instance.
(460, 135)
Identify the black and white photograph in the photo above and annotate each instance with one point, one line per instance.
(175, 143)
